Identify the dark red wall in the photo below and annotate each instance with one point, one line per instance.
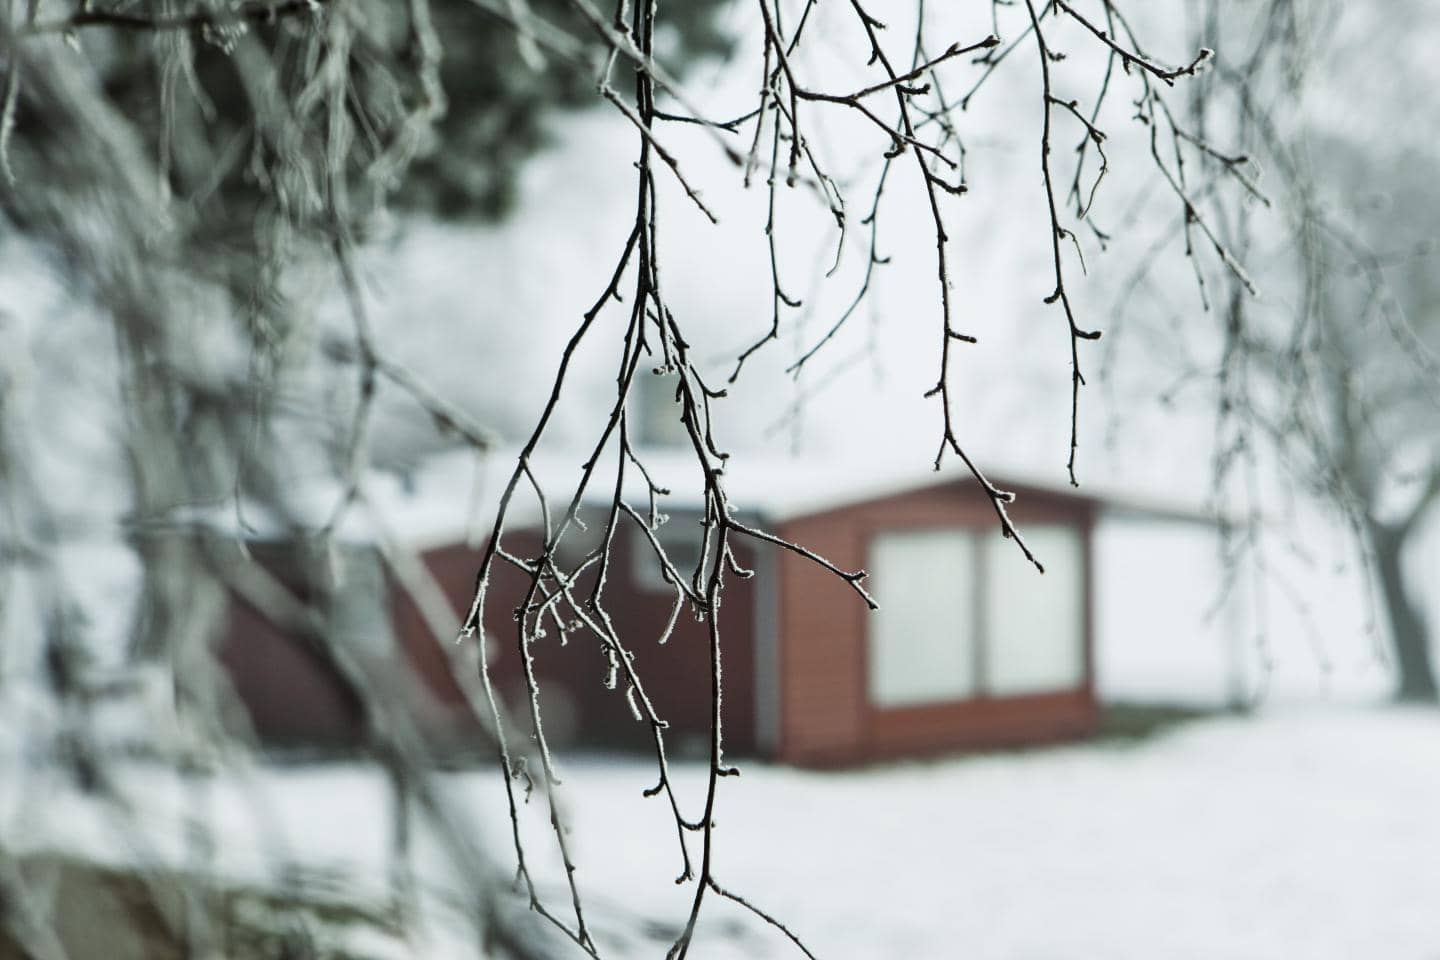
(292, 696)
(576, 706)
(296, 699)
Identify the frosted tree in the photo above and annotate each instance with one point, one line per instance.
(183, 161)
(1324, 387)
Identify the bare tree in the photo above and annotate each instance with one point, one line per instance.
(1331, 378)
(329, 104)
(1344, 390)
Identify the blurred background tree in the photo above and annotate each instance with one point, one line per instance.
(182, 168)
(1351, 395)
(181, 171)
(1330, 381)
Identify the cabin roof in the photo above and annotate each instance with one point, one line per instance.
(454, 497)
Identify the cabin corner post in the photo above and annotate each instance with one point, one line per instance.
(768, 666)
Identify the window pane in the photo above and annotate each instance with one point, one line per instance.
(654, 411)
(360, 615)
(922, 639)
(1035, 623)
(680, 537)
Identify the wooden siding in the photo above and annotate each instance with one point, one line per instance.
(290, 692)
(576, 706)
(820, 712)
(295, 698)
(826, 716)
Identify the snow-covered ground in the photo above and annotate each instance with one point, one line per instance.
(1299, 833)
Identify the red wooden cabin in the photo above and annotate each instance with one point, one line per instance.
(971, 648)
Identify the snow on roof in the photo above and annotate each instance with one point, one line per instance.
(773, 488)
(453, 497)
(785, 488)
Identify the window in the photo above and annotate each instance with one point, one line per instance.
(581, 538)
(680, 538)
(358, 611)
(1035, 624)
(347, 587)
(657, 419)
(922, 639)
(963, 614)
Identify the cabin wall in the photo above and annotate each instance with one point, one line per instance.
(292, 696)
(826, 716)
(576, 706)
(798, 693)
(297, 701)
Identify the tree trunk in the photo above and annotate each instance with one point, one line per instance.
(1412, 640)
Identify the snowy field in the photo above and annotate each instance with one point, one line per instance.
(1298, 834)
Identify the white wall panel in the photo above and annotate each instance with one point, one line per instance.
(1035, 624)
(922, 639)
